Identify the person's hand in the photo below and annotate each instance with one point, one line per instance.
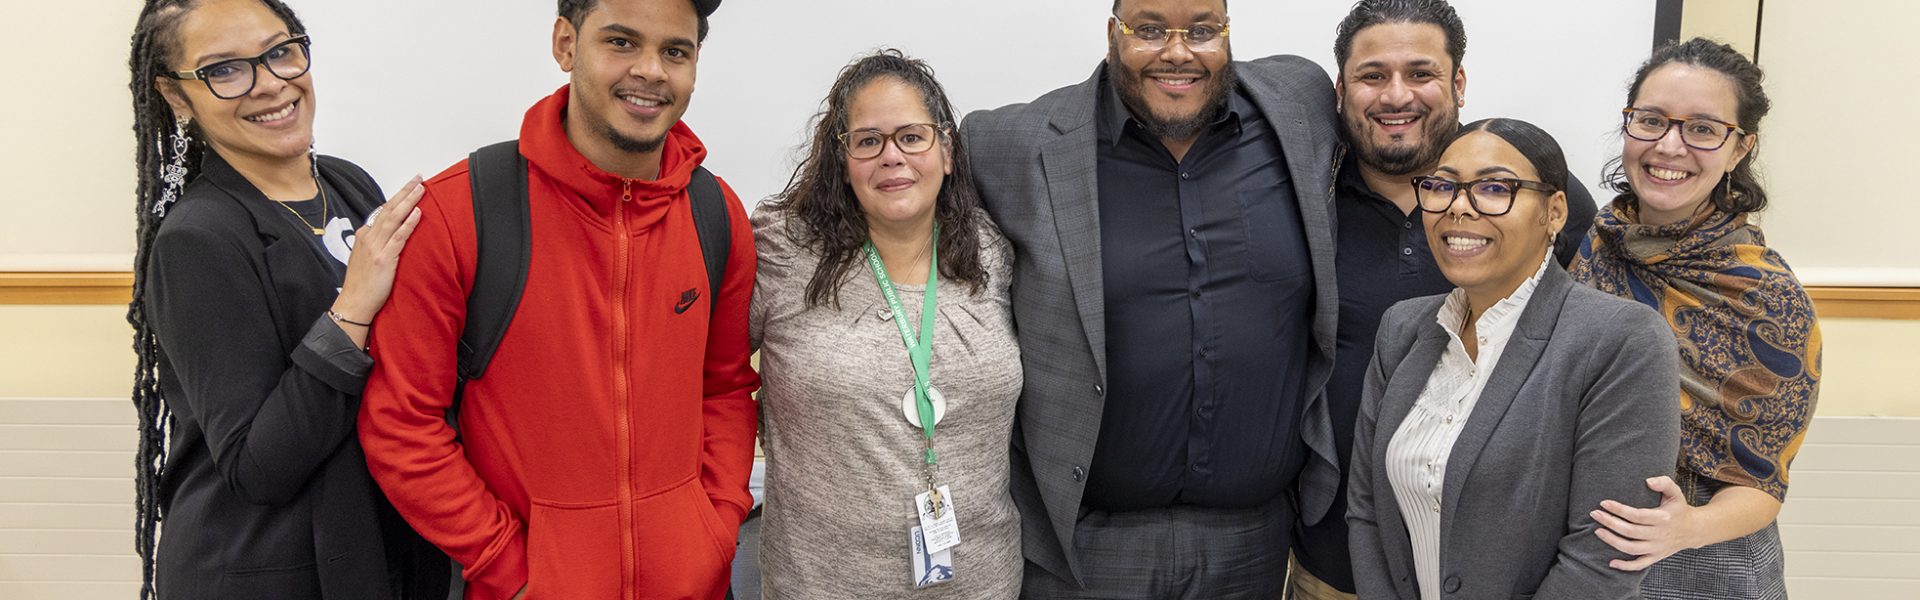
(376, 253)
(1650, 534)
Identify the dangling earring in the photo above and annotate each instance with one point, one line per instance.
(173, 175)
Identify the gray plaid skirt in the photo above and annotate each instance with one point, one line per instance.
(1746, 568)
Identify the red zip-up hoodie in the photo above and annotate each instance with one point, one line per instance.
(606, 451)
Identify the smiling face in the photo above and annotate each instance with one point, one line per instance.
(632, 66)
(895, 189)
(274, 121)
(1490, 256)
(1673, 181)
(1175, 90)
(1400, 96)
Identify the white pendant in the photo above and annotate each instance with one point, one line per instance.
(910, 406)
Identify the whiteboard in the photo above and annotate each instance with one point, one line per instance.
(412, 87)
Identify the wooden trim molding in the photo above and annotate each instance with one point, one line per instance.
(1866, 302)
(66, 287)
(117, 288)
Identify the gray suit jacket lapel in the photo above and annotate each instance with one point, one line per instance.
(1522, 353)
(1403, 390)
(1312, 179)
(1071, 165)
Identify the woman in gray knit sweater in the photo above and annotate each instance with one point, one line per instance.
(887, 355)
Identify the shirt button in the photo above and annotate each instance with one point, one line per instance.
(1193, 233)
(1099, 390)
(1186, 175)
(1406, 252)
(1196, 294)
(1407, 225)
(1079, 474)
(1196, 468)
(1483, 340)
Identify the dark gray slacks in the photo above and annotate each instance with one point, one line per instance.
(1176, 553)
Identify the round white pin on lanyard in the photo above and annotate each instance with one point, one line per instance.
(910, 406)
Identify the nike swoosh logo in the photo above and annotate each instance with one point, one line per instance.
(687, 298)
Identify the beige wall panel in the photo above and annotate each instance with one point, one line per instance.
(1829, 588)
(34, 567)
(1852, 538)
(97, 515)
(51, 590)
(67, 437)
(1819, 57)
(1869, 367)
(64, 489)
(66, 351)
(69, 186)
(113, 542)
(66, 411)
(1730, 21)
(28, 463)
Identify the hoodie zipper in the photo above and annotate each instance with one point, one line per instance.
(622, 387)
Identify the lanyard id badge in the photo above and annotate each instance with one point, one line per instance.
(939, 531)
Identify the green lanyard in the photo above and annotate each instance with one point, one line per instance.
(919, 348)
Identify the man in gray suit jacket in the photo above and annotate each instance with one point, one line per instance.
(1175, 303)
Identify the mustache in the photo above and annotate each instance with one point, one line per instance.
(1163, 71)
(1410, 108)
(660, 93)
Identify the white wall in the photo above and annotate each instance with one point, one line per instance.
(411, 87)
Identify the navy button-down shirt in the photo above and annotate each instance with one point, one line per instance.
(1209, 300)
(1382, 258)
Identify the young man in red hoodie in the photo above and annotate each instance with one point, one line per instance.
(605, 453)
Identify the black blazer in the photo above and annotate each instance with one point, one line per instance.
(266, 492)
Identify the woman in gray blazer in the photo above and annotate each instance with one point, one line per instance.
(1497, 416)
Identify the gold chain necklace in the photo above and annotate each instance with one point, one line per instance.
(322, 230)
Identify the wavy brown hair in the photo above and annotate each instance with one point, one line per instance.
(821, 199)
(1740, 191)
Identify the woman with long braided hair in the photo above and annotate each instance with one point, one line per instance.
(258, 268)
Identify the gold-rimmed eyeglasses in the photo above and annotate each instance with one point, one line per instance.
(1199, 37)
(233, 78)
(913, 138)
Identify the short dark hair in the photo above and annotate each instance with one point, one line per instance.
(1742, 192)
(1368, 13)
(1534, 143)
(1116, 5)
(576, 11)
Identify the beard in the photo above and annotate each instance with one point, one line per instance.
(1404, 157)
(1127, 83)
(627, 143)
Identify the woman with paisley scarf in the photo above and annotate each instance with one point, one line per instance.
(1677, 239)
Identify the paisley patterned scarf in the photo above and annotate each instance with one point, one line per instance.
(1749, 340)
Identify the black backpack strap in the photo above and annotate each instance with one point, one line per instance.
(710, 217)
(503, 236)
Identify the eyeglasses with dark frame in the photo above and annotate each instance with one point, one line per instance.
(233, 78)
(912, 138)
(1699, 133)
(1489, 196)
(1199, 37)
